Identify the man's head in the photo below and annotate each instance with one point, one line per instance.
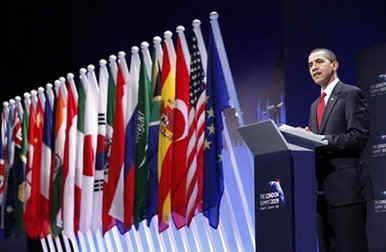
(323, 66)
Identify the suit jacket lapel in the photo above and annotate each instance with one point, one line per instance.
(313, 123)
(330, 105)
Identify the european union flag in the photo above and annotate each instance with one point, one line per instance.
(217, 101)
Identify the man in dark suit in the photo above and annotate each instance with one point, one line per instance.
(340, 113)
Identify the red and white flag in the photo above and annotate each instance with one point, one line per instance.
(197, 124)
(32, 215)
(101, 146)
(70, 159)
(90, 123)
(114, 188)
(107, 220)
(180, 133)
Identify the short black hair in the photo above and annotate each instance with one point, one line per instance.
(331, 55)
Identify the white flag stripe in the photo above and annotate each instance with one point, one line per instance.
(117, 240)
(50, 243)
(90, 240)
(66, 242)
(117, 206)
(44, 245)
(108, 240)
(100, 241)
(59, 247)
(192, 199)
(74, 244)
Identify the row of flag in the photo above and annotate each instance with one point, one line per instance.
(134, 142)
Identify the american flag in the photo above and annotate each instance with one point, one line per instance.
(197, 99)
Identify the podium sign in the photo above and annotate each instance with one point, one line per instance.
(285, 191)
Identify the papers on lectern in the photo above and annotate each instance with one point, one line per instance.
(302, 137)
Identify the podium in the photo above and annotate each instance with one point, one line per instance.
(285, 188)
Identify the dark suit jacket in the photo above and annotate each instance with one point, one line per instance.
(345, 124)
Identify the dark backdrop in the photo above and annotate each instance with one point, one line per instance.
(46, 41)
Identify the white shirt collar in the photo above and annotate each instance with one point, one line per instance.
(329, 89)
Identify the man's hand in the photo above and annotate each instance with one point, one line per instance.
(306, 128)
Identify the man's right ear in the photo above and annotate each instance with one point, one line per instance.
(336, 65)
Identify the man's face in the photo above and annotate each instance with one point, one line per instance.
(322, 68)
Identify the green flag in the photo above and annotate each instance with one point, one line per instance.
(152, 151)
(141, 170)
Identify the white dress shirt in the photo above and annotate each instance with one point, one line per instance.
(329, 89)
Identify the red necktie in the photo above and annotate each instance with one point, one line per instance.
(321, 107)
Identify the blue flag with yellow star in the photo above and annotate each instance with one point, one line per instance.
(217, 101)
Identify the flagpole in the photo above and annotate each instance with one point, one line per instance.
(11, 157)
(74, 243)
(224, 242)
(90, 240)
(201, 43)
(44, 245)
(172, 240)
(210, 237)
(234, 102)
(128, 242)
(82, 241)
(180, 32)
(19, 106)
(196, 236)
(115, 234)
(204, 56)
(108, 241)
(59, 247)
(235, 226)
(161, 238)
(171, 50)
(66, 242)
(138, 240)
(146, 57)
(184, 238)
(113, 67)
(157, 44)
(100, 243)
(50, 242)
(240, 187)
